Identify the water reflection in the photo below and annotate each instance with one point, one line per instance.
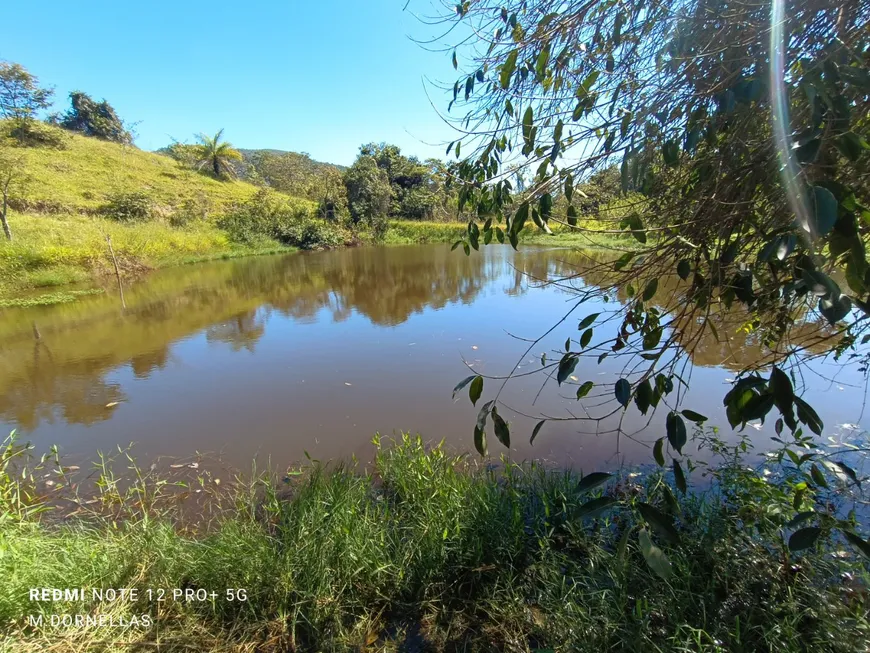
(263, 346)
(81, 343)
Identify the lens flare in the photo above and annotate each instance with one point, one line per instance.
(789, 169)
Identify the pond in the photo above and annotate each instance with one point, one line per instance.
(275, 357)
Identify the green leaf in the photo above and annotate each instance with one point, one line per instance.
(623, 260)
(643, 396)
(684, 268)
(862, 545)
(623, 544)
(569, 187)
(671, 152)
(480, 441)
(585, 338)
(808, 416)
(676, 429)
(507, 69)
(584, 389)
(595, 506)
(851, 145)
(661, 523)
(679, 477)
(781, 388)
(592, 481)
(804, 538)
(818, 476)
(528, 120)
(566, 367)
(825, 211)
(456, 244)
(835, 310)
(483, 414)
(808, 152)
(587, 321)
(476, 389)
(545, 203)
(650, 290)
(455, 63)
(820, 284)
(466, 248)
(502, 432)
(499, 235)
(651, 341)
(785, 246)
(622, 390)
(848, 471)
(658, 452)
(654, 556)
(464, 382)
(535, 430)
(692, 416)
(519, 219)
(639, 236)
(800, 518)
(671, 499)
(542, 61)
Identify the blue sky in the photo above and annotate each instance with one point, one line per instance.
(320, 77)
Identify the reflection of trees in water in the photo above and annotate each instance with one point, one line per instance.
(144, 364)
(733, 349)
(387, 285)
(66, 370)
(77, 388)
(229, 301)
(241, 332)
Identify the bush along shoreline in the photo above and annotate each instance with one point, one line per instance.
(426, 551)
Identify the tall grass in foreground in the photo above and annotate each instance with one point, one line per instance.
(426, 551)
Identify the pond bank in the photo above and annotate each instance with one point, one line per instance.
(430, 552)
(35, 270)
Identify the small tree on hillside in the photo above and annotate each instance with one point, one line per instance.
(187, 155)
(21, 98)
(217, 155)
(11, 175)
(96, 119)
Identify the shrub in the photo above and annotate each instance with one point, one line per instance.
(129, 207)
(309, 233)
(267, 216)
(192, 209)
(32, 133)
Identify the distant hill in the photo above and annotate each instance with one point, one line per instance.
(251, 154)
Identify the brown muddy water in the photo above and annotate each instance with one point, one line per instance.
(275, 357)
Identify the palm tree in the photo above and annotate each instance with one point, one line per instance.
(211, 152)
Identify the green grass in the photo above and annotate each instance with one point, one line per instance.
(425, 551)
(86, 171)
(48, 299)
(413, 232)
(408, 232)
(60, 234)
(54, 250)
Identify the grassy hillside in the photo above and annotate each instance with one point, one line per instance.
(59, 223)
(81, 177)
